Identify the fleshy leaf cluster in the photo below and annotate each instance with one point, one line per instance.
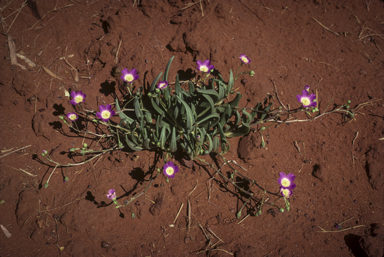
(193, 117)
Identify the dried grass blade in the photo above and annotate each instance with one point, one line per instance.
(51, 73)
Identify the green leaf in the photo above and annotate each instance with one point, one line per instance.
(146, 143)
(237, 117)
(265, 110)
(153, 85)
(247, 117)
(173, 146)
(138, 111)
(156, 107)
(235, 102)
(164, 135)
(207, 106)
(213, 118)
(177, 86)
(191, 87)
(220, 77)
(225, 116)
(165, 77)
(222, 89)
(190, 119)
(230, 82)
(132, 145)
(122, 115)
(211, 92)
(148, 116)
(210, 143)
(240, 131)
(216, 144)
(255, 109)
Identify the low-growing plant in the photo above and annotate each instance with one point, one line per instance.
(192, 118)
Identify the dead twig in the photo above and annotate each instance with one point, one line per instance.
(53, 10)
(337, 34)
(18, 12)
(277, 95)
(15, 151)
(51, 73)
(177, 215)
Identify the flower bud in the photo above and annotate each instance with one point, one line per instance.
(349, 101)
(238, 215)
(281, 210)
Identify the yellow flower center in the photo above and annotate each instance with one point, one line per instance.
(72, 117)
(79, 99)
(106, 114)
(285, 192)
(162, 85)
(128, 77)
(204, 68)
(245, 60)
(305, 101)
(169, 171)
(285, 182)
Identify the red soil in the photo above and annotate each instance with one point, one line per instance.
(338, 165)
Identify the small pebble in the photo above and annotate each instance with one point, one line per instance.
(137, 203)
(15, 102)
(187, 240)
(146, 61)
(104, 244)
(244, 81)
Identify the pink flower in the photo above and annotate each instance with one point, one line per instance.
(129, 76)
(105, 113)
(170, 169)
(305, 99)
(205, 66)
(111, 194)
(245, 59)
(78, 97)
(286, 181)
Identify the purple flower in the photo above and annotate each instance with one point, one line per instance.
(105, 113)
(286, 181)
(45, 152)
(170, 169)
(77, 97)
(286, 192)
(307, 100)
(162, 85)
(129, 76)
(72, 116)
(245, 59)
(204, 66)
(111, 194)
